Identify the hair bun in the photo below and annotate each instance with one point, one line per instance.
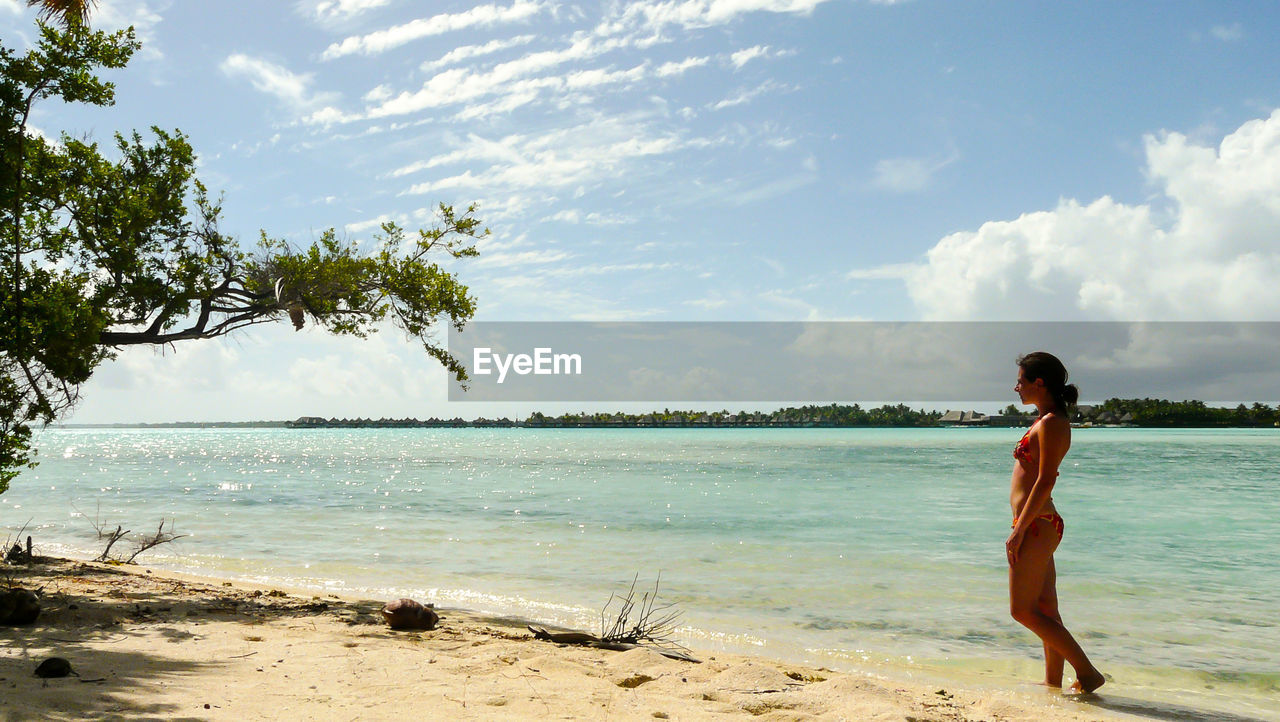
(1070, 394)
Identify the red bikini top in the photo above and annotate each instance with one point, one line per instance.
(1022, 449)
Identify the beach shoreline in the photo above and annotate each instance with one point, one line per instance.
(149, 643)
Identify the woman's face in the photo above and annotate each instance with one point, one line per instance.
(1025, 389)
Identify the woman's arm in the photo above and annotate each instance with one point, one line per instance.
(1053, 442)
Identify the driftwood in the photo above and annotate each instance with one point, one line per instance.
(584, 639)
(144, 541)
(16, 555)
(650, 624)
(112, 537)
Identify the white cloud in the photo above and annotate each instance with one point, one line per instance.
(709, 303)
(509, 207)
(361, 226)
(180, 367)
(565, 158)
(657, 14)
(516, 83)
(268, 372)
(459, 85)
(522, 258)
(746, 55)
(467, 52)
(505, 104)
(1215, 258)
(378, 94)
(565, 216)
(35, 131)
(1228, 33)
(120, 14)
(746, 95)
(905, 175)
(599, 269)
(11, 6)
(386, 366)
(608, 219)
(890, 271)
(678, 68)
(581, 79)
(479, 16)
(328, 115)
(291, 88)
(477, 148)
(775, 187)
(576, 216)
(554, 298)
(340, 10)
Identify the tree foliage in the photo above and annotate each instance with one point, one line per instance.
(67, 12)
(101, 249)
(1191, 413)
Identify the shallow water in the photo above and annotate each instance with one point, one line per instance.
(839, 547)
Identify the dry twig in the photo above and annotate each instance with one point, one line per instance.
(160, 537)
(144, 541)
(112, 537)
(653, 624)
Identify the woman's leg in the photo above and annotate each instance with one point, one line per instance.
(1027, 578)
(1048, 604)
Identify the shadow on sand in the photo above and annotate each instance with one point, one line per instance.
(1159, 710)
(89, 607)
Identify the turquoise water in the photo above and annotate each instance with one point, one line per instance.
(839, 547)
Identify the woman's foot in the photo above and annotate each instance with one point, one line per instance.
(1088, 683)
(1051, 685)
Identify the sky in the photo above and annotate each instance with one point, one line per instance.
(707, 160)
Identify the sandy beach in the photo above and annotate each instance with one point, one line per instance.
(148, 644)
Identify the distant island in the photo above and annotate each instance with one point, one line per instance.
(1146, 413)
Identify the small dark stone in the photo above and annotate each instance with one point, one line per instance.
(53, 667)
(408, 614)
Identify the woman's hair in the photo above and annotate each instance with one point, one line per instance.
(1044, 365)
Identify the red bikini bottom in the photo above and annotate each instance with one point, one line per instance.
(1052, 517)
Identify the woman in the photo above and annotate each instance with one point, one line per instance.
(1037, 528)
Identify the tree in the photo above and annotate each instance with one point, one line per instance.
(99, 252)
(68, 12)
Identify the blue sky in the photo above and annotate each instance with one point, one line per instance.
(710, 160)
